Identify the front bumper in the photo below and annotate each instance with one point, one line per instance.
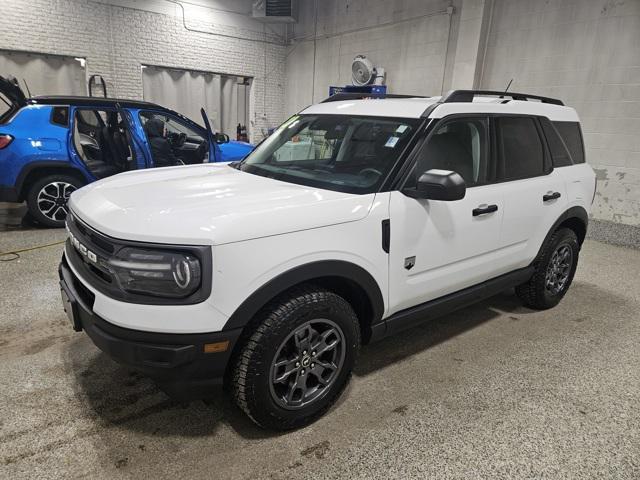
(177, 361)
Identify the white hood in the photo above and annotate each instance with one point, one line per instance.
(208, 204)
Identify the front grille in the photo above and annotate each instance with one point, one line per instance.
(94, 237)
(90, 235)
(96, 243)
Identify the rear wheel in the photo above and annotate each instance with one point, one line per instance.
(298, 359)
(47, 199)
(554, 271)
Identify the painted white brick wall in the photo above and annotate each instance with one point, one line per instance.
(587, 53)
(117, 40)
(408, 39)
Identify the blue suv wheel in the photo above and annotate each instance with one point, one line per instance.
(47, 198)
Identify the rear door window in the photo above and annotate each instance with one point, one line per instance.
(519, 148)
(572, 136)
(102, 140)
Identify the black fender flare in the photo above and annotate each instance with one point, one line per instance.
(45, 164)
(306, 273)
(576, 212)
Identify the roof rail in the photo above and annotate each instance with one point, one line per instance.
(361, 96)
(469, 95)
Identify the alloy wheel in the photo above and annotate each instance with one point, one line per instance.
(52, 200)
(307, 364)
(559, 269)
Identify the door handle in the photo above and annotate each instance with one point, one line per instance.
(550, 196)
(484, 209)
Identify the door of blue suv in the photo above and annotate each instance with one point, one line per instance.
(51, 146)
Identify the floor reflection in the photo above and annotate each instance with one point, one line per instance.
(14, 216)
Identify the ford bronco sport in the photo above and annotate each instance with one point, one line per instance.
(355, 219)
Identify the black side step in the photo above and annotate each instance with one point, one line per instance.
(432, 309)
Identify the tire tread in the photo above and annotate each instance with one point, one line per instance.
(532, 292)
(268, 322)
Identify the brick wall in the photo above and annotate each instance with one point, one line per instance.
(117, 39)
(587, 53)
(409, 39)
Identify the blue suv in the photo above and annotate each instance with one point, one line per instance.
(53, 145)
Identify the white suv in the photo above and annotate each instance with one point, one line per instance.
(355, 219)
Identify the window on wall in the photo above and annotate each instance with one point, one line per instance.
(225, 98)
(520, 150)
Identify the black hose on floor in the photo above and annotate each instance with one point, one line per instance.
(16, 253)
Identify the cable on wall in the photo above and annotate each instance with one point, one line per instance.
(478, 81)
(314, 36)
(224, 35)
(315, 48)
(446, 49)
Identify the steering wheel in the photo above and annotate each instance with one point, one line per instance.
(177, 139)
(369, 172)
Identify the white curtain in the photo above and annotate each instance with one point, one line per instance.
(45, 74)
(223, 97)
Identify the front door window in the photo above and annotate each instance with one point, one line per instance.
(172, 141)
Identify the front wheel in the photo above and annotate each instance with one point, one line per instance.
(47, 199)
(554, 271)
(298, 359)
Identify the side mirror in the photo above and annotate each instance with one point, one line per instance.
(438, 185)
(222, 138)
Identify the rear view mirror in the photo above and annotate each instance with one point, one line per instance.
(438, 185)
(222, 138)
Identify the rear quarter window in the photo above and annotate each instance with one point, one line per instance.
(572, 136)
(559, 154)
(5, 108)
(60, 116)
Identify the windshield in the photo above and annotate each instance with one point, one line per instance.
(335, 152)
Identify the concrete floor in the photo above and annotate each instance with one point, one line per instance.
(14, 216)
(493, 391)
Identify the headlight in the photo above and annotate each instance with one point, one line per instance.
(157, 273)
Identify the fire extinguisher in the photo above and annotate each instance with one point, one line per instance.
(241, 133)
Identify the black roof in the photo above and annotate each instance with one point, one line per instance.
(451, 96)
(92, 101)
(468, 96)
(104, 102)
